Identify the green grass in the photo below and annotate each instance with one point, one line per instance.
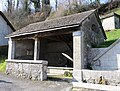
(112, 36)
(2, 64)
(118, 11)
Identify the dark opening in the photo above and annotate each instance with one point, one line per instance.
(57, 50)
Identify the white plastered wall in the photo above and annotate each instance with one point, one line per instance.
(4, 30)
(108, 23)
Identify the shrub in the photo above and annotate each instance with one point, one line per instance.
(67, 74)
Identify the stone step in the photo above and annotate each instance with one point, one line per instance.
(58, 70)
(96, 86)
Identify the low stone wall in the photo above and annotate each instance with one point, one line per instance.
(106, 58)
(93, 76)
(28, 69)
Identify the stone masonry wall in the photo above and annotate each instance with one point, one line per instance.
(108, 77)
(33, 70)
(93, 53)
(92, 36)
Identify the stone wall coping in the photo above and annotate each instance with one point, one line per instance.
(60, 68)
(28, 61)
(108, 49)
(96, 86)
(86, 70)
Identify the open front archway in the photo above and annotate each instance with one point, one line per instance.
(57, 50)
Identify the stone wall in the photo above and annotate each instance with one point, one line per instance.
(107, 58)
(33, 70)
(93, 76)
(93, 35)
(94, 52)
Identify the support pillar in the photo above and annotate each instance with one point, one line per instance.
(36, 49)
(77, 55)
(11, 49)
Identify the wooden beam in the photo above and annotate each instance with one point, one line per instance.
(54, 39)
(57, 32)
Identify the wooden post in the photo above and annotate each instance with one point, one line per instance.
(77, 55)
(11, 49)
(36, 49)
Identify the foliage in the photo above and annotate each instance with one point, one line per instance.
(46, 2)
(108, 7)
(68, 10)
(75, 9)
(67, 74)
(21, 14)
(117, 11)
(2, 64)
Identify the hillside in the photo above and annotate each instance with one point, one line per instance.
(112, 36)
(24, 15)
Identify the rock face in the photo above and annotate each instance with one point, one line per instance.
(27, 69)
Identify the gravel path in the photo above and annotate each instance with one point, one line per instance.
(10, 83)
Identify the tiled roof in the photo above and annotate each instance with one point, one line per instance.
(75, 19)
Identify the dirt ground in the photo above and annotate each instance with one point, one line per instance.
(11, 83)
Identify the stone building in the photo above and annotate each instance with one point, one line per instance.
(5, 29)
(107, 58)
(31, 47)
(111, 21)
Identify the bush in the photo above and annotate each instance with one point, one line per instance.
(67, 74)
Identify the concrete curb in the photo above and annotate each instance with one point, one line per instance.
(96, 86)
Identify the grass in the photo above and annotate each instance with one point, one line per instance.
(2, 64)
(118, 11)
(112, 36)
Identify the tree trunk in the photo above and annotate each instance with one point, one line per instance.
(9, 8)
(80, 2)
(17, 5)
(56, 4)
(25, 5)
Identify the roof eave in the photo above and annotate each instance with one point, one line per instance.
(48, 30)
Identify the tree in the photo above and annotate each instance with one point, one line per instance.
(17, 4)
(46, 7)
(97, 2)
(69, 5)
(110, 5)
(45, 2)
(91, 1)
(56, 4)
(25, 5)
(80, 2)
(10, 7)
(37, 5)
